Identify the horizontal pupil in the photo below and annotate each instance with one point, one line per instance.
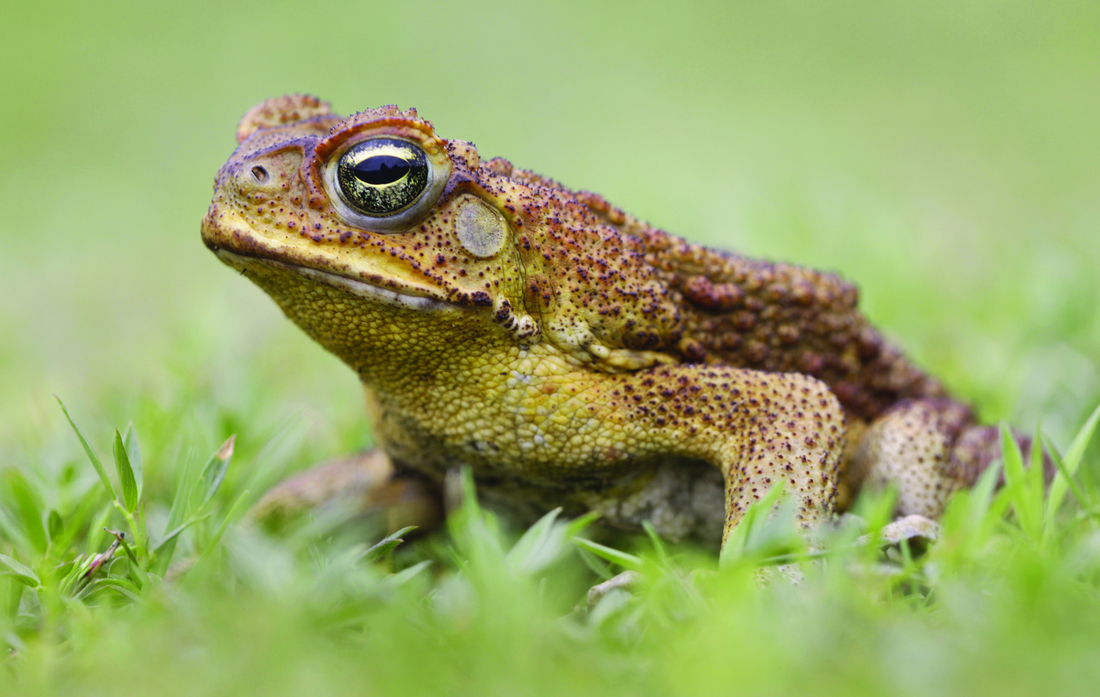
(380, 170)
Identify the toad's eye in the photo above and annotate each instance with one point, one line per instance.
(383, 176)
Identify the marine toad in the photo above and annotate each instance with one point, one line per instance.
(567, 352)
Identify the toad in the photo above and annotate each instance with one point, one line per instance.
(568, 353)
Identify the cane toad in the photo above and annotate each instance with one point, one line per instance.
(567, 352)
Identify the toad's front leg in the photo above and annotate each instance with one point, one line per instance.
(761, 429)
(789, 431)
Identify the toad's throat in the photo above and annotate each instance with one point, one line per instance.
(352, 286)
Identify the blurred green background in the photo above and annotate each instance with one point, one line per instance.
(944, 155)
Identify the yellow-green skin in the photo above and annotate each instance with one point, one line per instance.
(567, 351)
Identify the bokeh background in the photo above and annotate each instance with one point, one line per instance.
(944, 155)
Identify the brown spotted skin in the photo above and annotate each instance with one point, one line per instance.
(569, 353)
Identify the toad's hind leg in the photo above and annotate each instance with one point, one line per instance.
(928, 449)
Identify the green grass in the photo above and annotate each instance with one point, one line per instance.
(941, 154)
(130, 591)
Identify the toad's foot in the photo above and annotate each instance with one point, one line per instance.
(366, 483)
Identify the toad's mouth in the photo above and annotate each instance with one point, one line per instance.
(412, 298)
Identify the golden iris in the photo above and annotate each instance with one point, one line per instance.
(382, 176)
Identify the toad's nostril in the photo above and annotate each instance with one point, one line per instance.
(259, 174)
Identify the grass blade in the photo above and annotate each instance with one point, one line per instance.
(125, 475)
(1036, 485)
(404, 576)
(28, 508)
(135, 567)
(88, 449)
(119, 585)
(598, 566)
(526, 553)
(213, 472)
(575, 526)
(174, 526)
(982, 494)
(217, 538)
(175, 532)
(385, 546)
(1078, 493)
(55, 526)
(1071, 461)
(133, 451)
(97, 532)
(658, 544)
(738, 542)
(627, 561)
(1017, 484)
(11, 532)
(22, 574)
(77, 567)
(123, 587)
